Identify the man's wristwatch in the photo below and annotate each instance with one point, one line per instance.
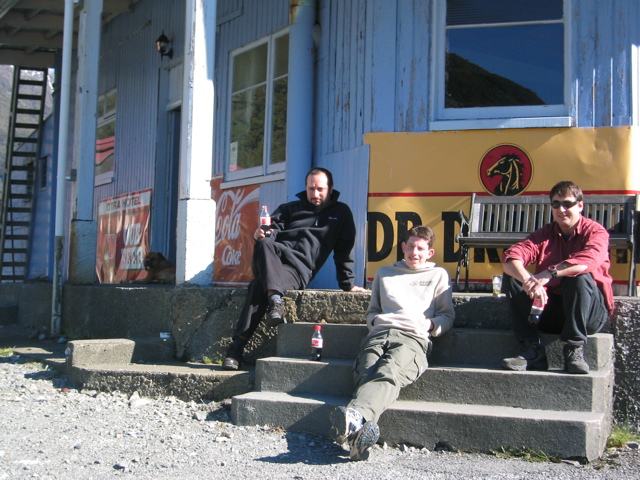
(553, 271)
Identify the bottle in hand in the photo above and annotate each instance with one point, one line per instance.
(536, 311)
(316, 344)
(265, 221)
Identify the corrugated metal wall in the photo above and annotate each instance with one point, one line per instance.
(373, 75)
(130, 63)
(373, 71)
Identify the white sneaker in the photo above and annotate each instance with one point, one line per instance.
(363, 440)
(344, 422)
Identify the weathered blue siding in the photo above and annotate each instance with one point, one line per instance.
(130, 63)
(373, 74)
(602, 37)
(41, 254)
(374, 65)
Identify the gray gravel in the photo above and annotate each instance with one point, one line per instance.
(50, 430)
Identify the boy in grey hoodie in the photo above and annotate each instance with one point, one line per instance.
(411, 301)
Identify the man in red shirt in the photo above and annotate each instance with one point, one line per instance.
(571, 279)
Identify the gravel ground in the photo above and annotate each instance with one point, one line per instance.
(49, 430)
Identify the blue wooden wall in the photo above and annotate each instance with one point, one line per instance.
(372, 75)
(129, 62)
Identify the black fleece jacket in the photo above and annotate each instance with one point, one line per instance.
(308, 236)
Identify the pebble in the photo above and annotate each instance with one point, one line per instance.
(52, 430)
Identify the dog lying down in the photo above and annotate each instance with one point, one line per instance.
(159, 270)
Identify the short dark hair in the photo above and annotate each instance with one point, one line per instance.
(566, 189)
(316, 171)
(422, 231)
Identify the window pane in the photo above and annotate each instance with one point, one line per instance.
(282, 56)
(469, 12)
(105, 147)
(100, 110)
(250, 68)
(279, 121)
(505, 66)
(247, 127)
(111, 103)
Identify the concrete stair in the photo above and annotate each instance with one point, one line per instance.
(463, 401)
(147, 366)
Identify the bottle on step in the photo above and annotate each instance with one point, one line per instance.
(316, 344)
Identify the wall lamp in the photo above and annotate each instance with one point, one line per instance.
(164, 46)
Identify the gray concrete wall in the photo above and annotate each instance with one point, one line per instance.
(202, 319)
(33, 301)
(626, 330)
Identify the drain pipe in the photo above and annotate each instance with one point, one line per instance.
(302, 18)
(63, 134)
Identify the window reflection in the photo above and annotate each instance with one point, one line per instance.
(518, 62)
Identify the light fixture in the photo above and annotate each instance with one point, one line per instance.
(164, 46)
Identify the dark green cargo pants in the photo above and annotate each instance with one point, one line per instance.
(388, 361)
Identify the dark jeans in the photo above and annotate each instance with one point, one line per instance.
(269, 274)
(578, 312)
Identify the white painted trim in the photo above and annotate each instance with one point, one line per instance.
(195, 227)
(635, 85)
(253, 174)
(277, 177)
(493, 123)
(442, 118)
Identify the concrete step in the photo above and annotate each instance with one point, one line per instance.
(552, 390)
(118, 351)
(428, 424)
(147, 366)
(464, 400)
(469, 346)
(188, 382)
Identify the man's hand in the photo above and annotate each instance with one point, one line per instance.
(356, 288)
(260, 233)
(534, 286)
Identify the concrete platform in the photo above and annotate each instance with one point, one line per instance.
(471, 404)
(458, 427)
(553, 389)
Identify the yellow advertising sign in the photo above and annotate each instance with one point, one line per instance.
(427, 178)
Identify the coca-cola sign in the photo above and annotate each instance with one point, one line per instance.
(237, 212)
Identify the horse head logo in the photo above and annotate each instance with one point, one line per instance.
(511, 168)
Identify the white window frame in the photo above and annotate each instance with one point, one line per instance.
(267, 172)
(493, 117)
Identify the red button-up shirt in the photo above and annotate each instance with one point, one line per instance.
(589, 246)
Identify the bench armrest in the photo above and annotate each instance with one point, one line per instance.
(464, 226)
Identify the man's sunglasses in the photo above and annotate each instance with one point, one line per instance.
(567, 204)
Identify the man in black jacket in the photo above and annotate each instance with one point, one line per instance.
(302, 236)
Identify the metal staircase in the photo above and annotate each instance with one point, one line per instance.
(19, 172)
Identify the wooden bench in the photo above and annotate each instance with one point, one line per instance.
(501, 221)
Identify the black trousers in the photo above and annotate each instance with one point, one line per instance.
(269, 274)
(578, 312)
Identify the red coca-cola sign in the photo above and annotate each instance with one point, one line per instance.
(237, 211)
